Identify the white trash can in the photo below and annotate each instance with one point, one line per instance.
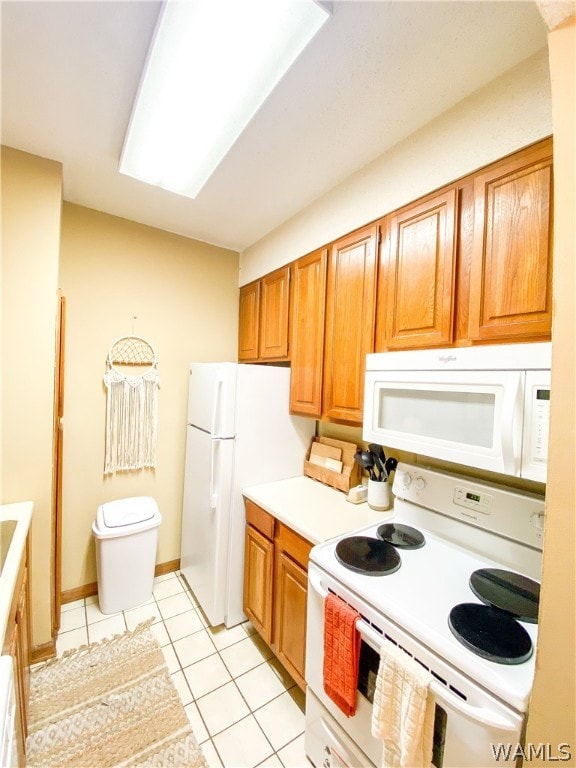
(126, 532)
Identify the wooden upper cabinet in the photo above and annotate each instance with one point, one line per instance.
(415, 306)
(274, 312)
(350, 311)
(263, 319)
(511, 274)
(248, 325)
(308, 292)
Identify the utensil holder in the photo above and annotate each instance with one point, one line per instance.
(378, 495)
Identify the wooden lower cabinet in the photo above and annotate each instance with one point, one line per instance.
(291, 553)
(275, 587)
(258, 585)
(17, 645)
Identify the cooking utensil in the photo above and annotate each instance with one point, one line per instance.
(366, 461)
(391, 464)
(378, 451)
(379, 461)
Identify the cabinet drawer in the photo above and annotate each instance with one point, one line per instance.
(259, 519)
(296, 546)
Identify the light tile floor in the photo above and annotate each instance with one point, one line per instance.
(244, 708)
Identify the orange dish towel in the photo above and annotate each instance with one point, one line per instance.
(341, 653)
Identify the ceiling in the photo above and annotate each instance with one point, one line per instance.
(374, 74)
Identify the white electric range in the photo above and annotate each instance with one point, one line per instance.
(456, 586)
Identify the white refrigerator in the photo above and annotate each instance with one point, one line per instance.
(238, 433)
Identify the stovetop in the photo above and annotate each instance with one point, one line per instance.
(430, 581)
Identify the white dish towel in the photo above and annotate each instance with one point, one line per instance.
(403, 710)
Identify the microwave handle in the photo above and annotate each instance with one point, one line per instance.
(476, 714)
(511, 431)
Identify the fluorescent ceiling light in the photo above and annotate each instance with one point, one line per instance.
(211, 65)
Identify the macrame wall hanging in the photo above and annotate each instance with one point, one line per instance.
(131, 405)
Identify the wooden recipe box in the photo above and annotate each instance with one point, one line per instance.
(342, 481)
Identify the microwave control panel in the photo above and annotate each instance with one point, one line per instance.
(536, 425)
(540, 423)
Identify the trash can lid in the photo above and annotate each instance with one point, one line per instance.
(131, 511)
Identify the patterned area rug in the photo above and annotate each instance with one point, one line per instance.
(109, 704)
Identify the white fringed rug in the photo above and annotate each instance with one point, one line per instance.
(111, 704)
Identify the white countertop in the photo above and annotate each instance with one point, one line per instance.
(22, 513)
(312, 509)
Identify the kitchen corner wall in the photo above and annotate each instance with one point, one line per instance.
(31, 203)
(552, 719)
(184, 295)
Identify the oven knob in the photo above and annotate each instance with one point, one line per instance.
(326, 763)
(537, 521)
(406, 479)
(419, 483)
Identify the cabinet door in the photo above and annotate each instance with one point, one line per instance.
(22, 654)
(249, 321)
(307, 351)
(350, 309)
(274, 309)
(417, 269)
(512, 248)
(290, 618)
(258, 583)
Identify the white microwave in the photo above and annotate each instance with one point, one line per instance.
(486, 407)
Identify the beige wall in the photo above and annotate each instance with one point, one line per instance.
(184, 294)
(510, 113)
(552, 711)
(31, 202)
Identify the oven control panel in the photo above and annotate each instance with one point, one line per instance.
(516, 515)
(478, 501)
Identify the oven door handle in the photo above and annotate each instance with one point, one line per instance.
(375, 639)
(481, 715)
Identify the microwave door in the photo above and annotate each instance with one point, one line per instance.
(449, 416)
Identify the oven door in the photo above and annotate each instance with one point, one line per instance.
(472, 418)
(472, 729)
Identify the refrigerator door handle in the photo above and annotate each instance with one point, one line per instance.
(213, 479)
(216, 405)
